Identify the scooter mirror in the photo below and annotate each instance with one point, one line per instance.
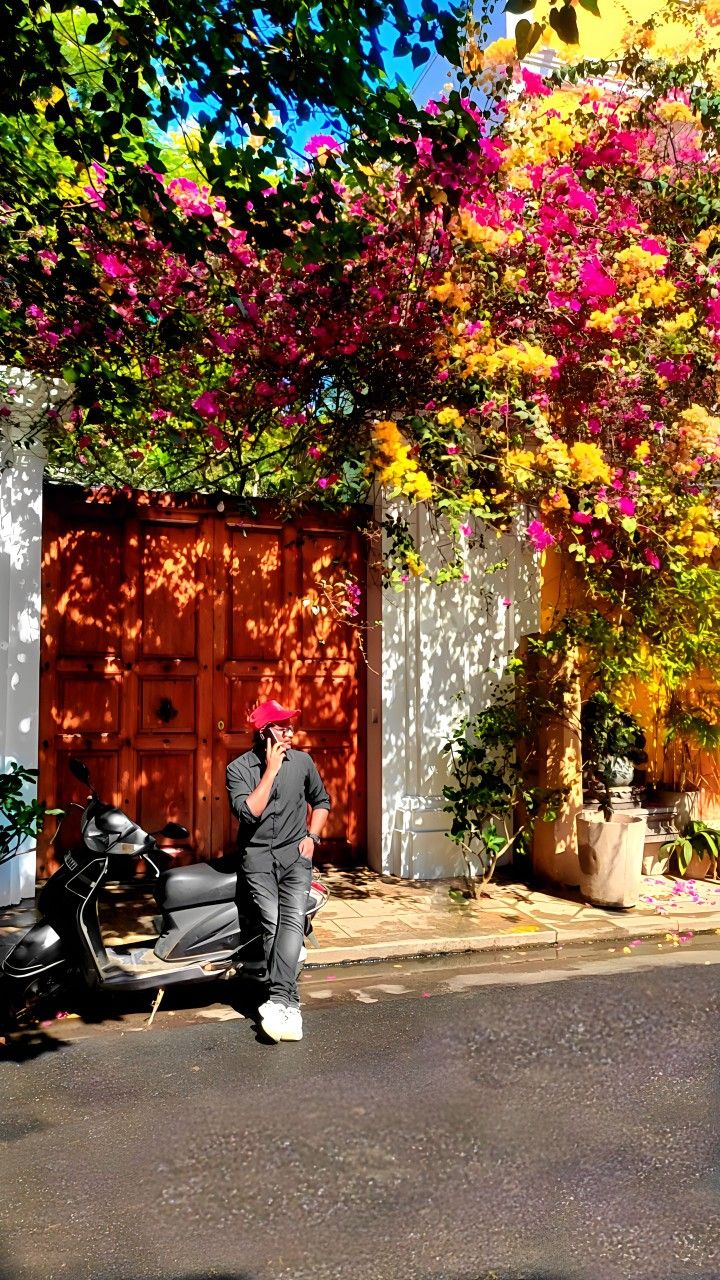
(174, 831)
(79, 770)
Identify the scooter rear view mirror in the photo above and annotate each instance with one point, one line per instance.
(174, 831)
(79, 770)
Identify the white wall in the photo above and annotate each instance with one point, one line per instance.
(22, 461)
(435, 643)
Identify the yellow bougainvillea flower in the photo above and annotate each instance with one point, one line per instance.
(450, 417)
(588, 463)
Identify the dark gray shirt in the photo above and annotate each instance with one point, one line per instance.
(277, 833)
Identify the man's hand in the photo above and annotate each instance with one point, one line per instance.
(307, 847)
(275, 753)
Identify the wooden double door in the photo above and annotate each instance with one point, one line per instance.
(164, 622)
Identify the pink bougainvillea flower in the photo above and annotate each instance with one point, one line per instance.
(217, 437)
(113, 266)
(466, 530)
(581, 517)
(322, 142)
(314, 452)
(652, 559)
(539, 536)
(601, 551)
(534, 84)
(594, 282)
(453, 448)
(207, 405)
(506, 601)
(626, 507)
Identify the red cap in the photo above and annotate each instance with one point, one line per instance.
(270, 711)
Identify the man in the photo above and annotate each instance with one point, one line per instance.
(270, 788)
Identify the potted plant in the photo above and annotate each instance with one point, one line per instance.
(610, 844)
(696, 850)
(490, 787)
(21, 820)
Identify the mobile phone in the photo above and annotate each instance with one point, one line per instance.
(270, 733)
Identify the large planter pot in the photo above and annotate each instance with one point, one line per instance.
(611, 856)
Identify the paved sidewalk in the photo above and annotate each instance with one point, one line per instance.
(371, 917)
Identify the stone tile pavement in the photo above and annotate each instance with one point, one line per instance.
(372, 917)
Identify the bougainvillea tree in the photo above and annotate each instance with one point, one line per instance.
(525, 322)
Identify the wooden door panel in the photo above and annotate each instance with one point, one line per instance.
(329, 700)
(170, 590)
(88, 704)
(88, 596)
(258, 610)
(167, 702)
(325, 558)
(166, 784)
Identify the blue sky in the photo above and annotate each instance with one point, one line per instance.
(425, 83)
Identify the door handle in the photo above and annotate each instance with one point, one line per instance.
(220, 725)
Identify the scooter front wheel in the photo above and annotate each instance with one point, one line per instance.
(24, 1000)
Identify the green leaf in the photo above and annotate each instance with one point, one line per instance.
(564, 22)
(519, 6)
(591, 6)
(527, 35)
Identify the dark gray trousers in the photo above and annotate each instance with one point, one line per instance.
(280, 897)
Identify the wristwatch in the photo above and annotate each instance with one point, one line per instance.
(315, 839)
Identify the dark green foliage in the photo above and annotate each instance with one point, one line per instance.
(20, 819)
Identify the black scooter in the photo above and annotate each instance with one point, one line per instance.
(203, 932)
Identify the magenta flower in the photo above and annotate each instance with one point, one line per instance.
(321, 142)
(466, 530)
(626, 507)
(652, 559)
(581, 517)
(534, 85)
(207, 405)
(595, 282)
(539, 536)
(113, 266)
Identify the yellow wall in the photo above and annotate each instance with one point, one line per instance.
(560, 589)
(606, 36)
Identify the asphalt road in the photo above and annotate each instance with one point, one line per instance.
(508, 1118)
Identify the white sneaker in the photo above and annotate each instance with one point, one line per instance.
(292, 1029)
(272, 1019)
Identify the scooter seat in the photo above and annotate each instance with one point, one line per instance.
(195, 886)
